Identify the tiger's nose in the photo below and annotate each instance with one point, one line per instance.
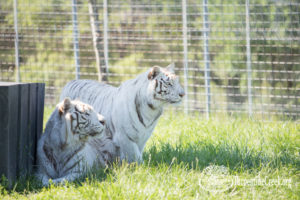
(102, 121)
(181, 94)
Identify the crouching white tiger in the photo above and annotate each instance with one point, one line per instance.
(132, 109)
(75, 140)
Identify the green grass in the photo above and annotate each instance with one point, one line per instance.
(176, 159)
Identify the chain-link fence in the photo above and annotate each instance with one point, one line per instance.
(232, 56)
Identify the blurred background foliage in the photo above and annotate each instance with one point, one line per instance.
(146, 33)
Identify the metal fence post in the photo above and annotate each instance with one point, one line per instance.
(75, 38)
(249, 70)
(105, 33)
(185, 55)
(17, 64)
(206, 57)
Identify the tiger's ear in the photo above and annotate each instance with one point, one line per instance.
(171, 68)
(154, 72)
(64, 106)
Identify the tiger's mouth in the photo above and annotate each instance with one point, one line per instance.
(175, 102)
(168, 100)
(94, 133)
(90, 134)
(83, 136)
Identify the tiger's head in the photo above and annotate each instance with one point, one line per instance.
(81, 120)
(164, 85)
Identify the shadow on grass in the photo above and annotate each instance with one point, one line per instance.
(202, 155)
(30, 183)
(194, 156)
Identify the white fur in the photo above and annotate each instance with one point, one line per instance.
(132, 109)
(66, 149)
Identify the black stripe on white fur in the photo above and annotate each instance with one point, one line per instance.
(130, 109)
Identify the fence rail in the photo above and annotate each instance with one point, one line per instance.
(232, 57)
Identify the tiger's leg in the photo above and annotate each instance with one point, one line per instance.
(77, 168)
(44, 178)
(129, 150)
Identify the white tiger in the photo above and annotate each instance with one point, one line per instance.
(132, 109)
(68, 147)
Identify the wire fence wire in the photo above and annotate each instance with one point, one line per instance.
(232, 56)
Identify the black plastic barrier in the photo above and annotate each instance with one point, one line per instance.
(21, 125)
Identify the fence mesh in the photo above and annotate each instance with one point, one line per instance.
(244, 55)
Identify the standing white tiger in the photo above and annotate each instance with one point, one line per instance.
(132, 109)
(75, 140)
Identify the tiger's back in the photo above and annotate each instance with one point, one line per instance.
(98, 92)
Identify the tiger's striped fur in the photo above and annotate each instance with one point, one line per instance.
(132, 109)
(75, 140)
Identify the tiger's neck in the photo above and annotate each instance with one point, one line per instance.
(147, 110)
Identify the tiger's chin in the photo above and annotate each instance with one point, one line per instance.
(175, 103)
(95, 134)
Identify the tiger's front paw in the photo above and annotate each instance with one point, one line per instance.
(58, 181)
